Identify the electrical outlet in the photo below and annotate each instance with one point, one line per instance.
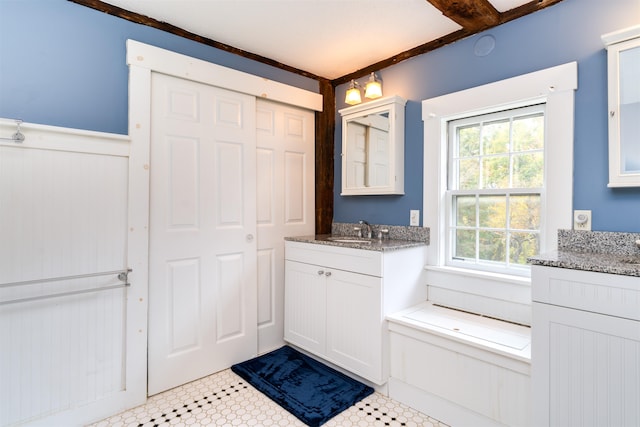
(582, 220)
(414, 217)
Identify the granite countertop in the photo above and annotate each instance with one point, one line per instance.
(599, 251)
(627, 265)
(366, 244)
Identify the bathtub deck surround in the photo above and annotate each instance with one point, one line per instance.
(463, 368)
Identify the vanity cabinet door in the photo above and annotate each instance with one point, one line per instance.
(335, 302)
(585, 367)
(305, 306)
(354, 323)
(585, 349)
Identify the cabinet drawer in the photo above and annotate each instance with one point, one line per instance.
(610, 294)
(355, 260)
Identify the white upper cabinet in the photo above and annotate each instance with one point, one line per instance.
(623, 53)
(373, 147)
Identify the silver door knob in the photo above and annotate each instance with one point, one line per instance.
(249, 237)
(320, 272)
(328, 273)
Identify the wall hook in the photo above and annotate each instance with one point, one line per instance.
(17, 137)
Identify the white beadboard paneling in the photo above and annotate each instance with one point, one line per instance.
(460, 384)
(354, 319)
(305, 313)
(586, 348)
(63, 212)
(612, 294)
(60, 353)
(587, 368)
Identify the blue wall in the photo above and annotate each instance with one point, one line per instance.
(569, 31)
(63, 64)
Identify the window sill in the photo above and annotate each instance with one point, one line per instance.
(482, 275)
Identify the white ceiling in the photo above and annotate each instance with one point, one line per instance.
(329, 38)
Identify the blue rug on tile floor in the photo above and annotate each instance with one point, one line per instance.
(311, 391)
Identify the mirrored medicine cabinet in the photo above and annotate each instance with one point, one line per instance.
(623, 74)
(373, 147)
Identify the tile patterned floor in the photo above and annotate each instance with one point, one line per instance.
(225, 399)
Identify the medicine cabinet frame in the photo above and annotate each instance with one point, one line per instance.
(623, 68)
(366, 171)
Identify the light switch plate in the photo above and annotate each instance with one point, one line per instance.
(414, 217)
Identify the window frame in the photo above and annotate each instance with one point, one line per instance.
(504, 296)
(510, 114)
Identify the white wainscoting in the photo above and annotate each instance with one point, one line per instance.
(461, 368)
(63, 309)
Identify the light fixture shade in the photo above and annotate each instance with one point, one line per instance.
(373, 88)
(353, 94)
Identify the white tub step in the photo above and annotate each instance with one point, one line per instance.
(494, 335)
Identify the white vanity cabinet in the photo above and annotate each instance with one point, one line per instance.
(336, 300)
(585, 348)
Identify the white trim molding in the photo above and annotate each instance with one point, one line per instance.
(45, 137)
(554, 86)
(178, 65)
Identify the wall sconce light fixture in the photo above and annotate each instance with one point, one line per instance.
(353, 94)
(373, 88)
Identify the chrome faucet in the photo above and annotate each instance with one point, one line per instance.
(362, 232)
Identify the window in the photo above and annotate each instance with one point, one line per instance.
(495, 189)
(485, 277)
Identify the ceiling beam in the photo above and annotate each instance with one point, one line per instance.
(509, 15)
(471, 15)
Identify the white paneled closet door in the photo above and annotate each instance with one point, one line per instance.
(202, 258)
(285, 204)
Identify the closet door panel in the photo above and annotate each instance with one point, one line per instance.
(285, 204)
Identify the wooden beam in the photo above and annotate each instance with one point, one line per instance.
(325, 129)
(471, 15)
(525, 9)
(509, 15)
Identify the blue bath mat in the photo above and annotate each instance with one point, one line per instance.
(311, 391)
